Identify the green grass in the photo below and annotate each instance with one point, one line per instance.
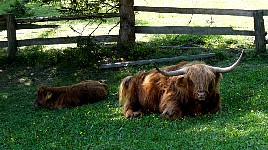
(241, 124)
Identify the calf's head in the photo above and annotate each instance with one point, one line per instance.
(43, 96)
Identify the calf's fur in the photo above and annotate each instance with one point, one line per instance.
(88, 91)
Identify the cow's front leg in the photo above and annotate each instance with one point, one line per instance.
(132, 107)
(170, 109)
(171, 112)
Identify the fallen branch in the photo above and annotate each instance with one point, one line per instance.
(142, 62)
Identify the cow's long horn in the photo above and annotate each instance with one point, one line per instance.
(172, 73)
(230, 68)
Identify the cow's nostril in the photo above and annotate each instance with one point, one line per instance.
(201, 96)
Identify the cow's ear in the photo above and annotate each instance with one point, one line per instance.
(49, 95)
(42, 89)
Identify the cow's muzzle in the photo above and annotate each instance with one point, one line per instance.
(201, 96)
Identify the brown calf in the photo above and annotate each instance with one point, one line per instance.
(87, 91)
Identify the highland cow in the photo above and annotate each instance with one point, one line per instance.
(185, 89)
(87, 91)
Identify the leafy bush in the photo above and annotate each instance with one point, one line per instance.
(88, 53)
(19, 9)
(139, 51)
(35, 56)
(83, 6)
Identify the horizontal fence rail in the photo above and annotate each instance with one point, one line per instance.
(143, 62)
(205, 11)
(62, 40)
(26, 23)
(60, 18)
(191, 30)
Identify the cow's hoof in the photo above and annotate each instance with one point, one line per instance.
(171, 116)
(131, 114)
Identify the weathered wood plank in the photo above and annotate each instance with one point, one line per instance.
(61, 40)
(127, 23)
(3, 27)
(183, 48)
(2, 17)
(65, 40)
(11, 35)
(3, 22)
(260, 33)
(265, 12)
(143, 62)
(35, 26)
(59, 18)
(3, 44)
(191, 30)
(232, 12)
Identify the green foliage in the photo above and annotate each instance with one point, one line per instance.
(181, 40)
(139, 51)
(88, 56)
(34, 56)
(84, 6)
(19, 9)
(206, 41)
(32, 9)
(41, 9)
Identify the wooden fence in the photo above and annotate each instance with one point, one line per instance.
(11, 24)
(128, 29)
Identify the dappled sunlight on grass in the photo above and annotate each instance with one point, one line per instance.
(116, 114)
(4, 96)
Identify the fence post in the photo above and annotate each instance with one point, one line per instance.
(259, 28)
(127, 23)
(11, 35)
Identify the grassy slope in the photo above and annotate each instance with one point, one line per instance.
(241, 124)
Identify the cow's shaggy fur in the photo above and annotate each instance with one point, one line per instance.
(173, 97)
(88, 91)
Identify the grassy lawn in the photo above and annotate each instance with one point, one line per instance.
(241, 124)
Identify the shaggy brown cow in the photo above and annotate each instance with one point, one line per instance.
(87, 91)
(186, 89)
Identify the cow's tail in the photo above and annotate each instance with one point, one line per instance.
(124, 90)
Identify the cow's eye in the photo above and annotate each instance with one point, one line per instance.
(191, 82)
